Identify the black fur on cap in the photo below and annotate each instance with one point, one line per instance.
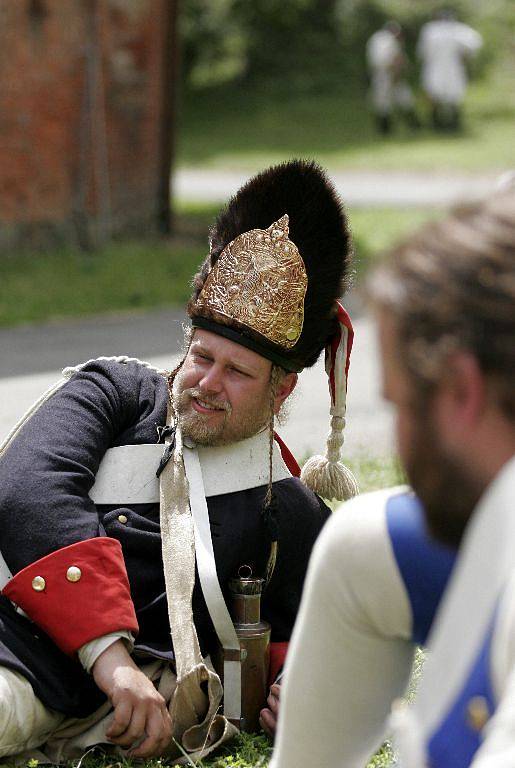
(317, 226)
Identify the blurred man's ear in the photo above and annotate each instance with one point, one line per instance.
(284, 390)
(461, 398)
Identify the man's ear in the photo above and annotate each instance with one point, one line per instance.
(462, 397)
(284, 390)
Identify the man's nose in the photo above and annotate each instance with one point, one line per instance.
(212, 380)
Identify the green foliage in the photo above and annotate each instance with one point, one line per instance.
(245, 751)
(258, 40)
(311, 42)
(212, 42)
(295, 39)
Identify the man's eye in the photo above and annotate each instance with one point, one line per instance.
(237, 370)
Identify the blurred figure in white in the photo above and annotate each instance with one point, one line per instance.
(444, 47)
(387, 64)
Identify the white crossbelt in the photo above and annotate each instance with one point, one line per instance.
(211, 589)
(127, 474)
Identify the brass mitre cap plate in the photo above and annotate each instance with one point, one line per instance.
(259, 281)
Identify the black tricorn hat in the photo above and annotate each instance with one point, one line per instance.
(279, 258)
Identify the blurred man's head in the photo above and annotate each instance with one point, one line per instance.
(446, 309)
(445, 14)
(393, 27)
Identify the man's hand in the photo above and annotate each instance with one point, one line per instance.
(268, 716)
(140, 712)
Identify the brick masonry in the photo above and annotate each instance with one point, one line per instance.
(86, 88)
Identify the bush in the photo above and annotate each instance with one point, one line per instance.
(307, 43)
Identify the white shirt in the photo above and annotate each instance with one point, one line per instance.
(443, 47)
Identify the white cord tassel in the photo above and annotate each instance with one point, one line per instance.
(326, 475)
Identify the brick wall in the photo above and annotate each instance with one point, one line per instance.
(85, 112)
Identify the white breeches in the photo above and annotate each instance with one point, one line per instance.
(444, 82)
(351, 653)
(388, 94)
(25, 722)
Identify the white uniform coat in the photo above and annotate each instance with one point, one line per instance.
(443, 48)
(472, 640)
(388, 87)
(372, 593)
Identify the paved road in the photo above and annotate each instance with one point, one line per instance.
(32, 357)
(357, 188)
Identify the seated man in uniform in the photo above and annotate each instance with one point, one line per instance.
(391, 570)
(88, 600)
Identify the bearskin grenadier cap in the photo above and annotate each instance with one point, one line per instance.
(279, 260)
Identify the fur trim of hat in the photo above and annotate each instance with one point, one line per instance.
(318, 227)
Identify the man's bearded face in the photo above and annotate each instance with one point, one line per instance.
(447, 489)
(221, 394)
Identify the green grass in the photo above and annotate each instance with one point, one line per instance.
(375, 473)
(124, 275)
(118, 277)
(231, 127)
(140, 274)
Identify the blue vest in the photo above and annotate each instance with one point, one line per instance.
(425, 567)
(457, 738)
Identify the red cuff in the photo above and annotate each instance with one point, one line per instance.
(278, 653)
(77, 593)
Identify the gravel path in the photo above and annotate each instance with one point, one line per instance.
(33, 356)
(357, 188)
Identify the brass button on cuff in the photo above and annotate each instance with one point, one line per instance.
(478, 713)
(38, 583)
(122, 519)
(73, 573)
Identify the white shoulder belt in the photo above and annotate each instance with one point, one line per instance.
(127, 475)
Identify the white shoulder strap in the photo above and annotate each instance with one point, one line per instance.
(193, 700)
(211, 589)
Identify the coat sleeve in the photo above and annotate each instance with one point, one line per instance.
(66, 570)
